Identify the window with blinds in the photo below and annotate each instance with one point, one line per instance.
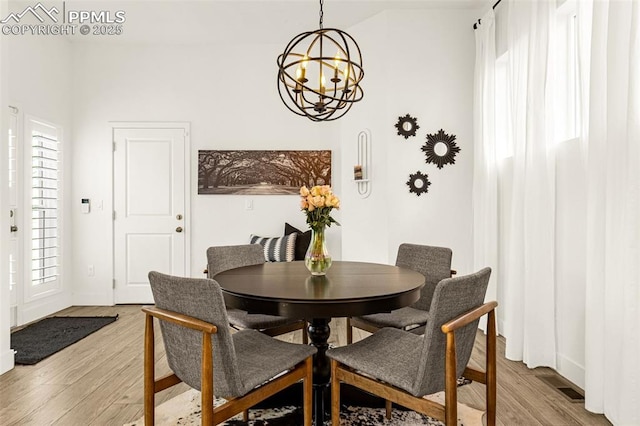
(45, 205)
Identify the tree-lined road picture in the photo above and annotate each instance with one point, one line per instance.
(261, 172)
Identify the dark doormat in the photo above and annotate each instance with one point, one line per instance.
(50, 335)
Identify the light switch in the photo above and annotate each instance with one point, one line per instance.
(248, 204)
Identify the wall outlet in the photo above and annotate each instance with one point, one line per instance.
(91, 271)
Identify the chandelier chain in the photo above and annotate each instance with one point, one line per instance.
(321, 13)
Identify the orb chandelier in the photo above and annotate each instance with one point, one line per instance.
(319, 73)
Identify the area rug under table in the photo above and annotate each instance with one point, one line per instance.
(184, 410)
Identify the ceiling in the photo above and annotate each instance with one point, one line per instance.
(238, 21)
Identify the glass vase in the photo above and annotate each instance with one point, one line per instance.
(317, 258)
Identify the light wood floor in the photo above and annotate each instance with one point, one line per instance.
(98, 381)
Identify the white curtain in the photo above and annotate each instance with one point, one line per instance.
(609, 98)
(485, 179)
(528, 294)
(610, 70)
(529, 288)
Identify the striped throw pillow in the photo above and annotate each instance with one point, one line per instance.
(277, 249)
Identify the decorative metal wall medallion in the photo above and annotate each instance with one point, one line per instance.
(441, 148)
(407, 126)
(418, 183)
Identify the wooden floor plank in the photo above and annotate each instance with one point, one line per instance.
(109, 371)
(116, 414)
(98, 381)
(13, 413)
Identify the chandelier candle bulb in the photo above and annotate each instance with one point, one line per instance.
(336, 68)
(303, 73)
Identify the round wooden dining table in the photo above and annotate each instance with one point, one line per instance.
(348, 289)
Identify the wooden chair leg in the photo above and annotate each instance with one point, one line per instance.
(491, 369)
(388, 408)
(305, 335)
(335, 394)
(349, 332)
(245, 416)
(450, 383)
(207, 380)
(307, 405)
(149, 372)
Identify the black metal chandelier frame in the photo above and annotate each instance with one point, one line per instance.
(300, 70)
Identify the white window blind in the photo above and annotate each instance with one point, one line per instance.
(45, 204)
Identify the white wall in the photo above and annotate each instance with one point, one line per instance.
(365, 230)
(39, 76)
(420, 63)
(229, 95)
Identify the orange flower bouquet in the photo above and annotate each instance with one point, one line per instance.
(317, 204)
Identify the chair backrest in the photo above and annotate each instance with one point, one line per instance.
(452, 297)
(223, 258)
(432, 262)
(202, 299)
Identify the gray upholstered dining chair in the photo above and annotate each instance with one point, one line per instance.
(223, 258)
(403, 367)
(432, 262)
(246, 367)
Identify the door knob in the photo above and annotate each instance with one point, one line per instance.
(179, 229)
(14, 228)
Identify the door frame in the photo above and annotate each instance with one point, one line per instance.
(186, 127)
(16, 300)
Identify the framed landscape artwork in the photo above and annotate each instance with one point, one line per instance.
(261, 172)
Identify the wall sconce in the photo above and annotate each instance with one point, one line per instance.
(362, 171)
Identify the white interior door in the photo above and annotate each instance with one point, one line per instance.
(150, 208)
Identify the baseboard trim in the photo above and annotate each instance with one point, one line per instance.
(7, 361)
(500, 324)
(93, 299)
(571, 370)
(565, 366)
